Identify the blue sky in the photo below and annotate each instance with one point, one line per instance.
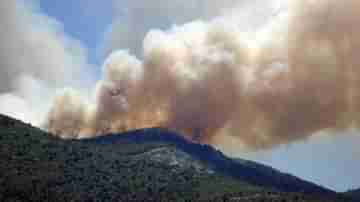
(85, 20)
(333, 161)
(330, 161)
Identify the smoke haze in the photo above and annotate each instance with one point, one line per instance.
(36, 58)
(240, 74)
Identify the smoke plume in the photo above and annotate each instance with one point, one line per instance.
(225, 78)
(36, 58)
(129, 28)
(295, 75)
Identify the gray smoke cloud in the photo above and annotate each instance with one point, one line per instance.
(36, 58)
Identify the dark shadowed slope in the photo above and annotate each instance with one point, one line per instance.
(144, 165)
(355, 194)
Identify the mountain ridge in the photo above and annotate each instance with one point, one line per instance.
(217, 160)
(143, 165)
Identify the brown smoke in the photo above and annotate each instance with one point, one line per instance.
(296, 76)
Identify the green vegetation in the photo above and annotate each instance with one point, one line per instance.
(37, 167)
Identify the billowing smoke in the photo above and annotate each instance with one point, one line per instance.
(243, 74)
(134, 19)
(36, 57)
(217, 83)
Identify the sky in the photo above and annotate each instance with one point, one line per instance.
(108, 25)
(86, 20)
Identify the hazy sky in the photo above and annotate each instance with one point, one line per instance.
(331, 161)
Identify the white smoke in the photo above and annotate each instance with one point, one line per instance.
(36, 58)
(134, 19)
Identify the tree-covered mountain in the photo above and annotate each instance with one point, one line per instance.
(248, 171)
(142, 165)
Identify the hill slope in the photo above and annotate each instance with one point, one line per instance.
(248, 171)
(144, 165)
(355, 194)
